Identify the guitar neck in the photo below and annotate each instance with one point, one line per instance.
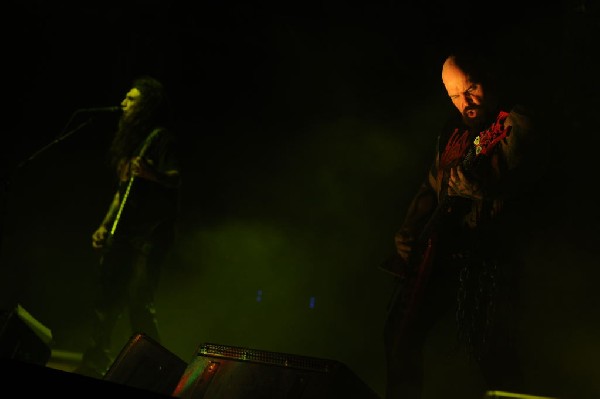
(121, 206)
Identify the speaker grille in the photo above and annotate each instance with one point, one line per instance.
(235, 372)
(262, 356)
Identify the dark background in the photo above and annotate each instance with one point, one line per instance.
(305, 129)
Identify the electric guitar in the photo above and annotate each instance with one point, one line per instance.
(412, 275)
(110, 239)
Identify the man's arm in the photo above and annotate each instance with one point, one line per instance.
(145, 170)
(99, 235)
(419, 211)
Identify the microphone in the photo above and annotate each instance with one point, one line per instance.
(101, 109)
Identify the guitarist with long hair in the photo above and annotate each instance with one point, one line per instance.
(452, 249)
(138, 229)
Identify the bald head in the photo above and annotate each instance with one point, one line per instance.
(455, 78)
(464, 86)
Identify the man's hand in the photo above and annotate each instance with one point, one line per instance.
(460, 186)
(99, 237)
(141, 168)
(404, 244)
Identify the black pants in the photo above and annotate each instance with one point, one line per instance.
(128, 279)
(499, 364)
(404, 354)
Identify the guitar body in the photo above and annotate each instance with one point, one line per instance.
(109, 244)
(109, 247)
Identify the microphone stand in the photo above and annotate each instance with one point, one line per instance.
(8, 178)
(55, 141)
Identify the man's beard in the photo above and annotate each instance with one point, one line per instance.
(478, 122)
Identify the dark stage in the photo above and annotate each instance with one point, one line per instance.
(304, 130)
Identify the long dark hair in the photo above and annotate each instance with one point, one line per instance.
(151, 111)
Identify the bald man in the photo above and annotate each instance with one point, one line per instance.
(451, 263)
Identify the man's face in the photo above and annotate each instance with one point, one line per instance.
(467, 96)
(130, 102)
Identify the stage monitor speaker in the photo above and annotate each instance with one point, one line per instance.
(23, 338)
(143, 363)
(229, 372)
